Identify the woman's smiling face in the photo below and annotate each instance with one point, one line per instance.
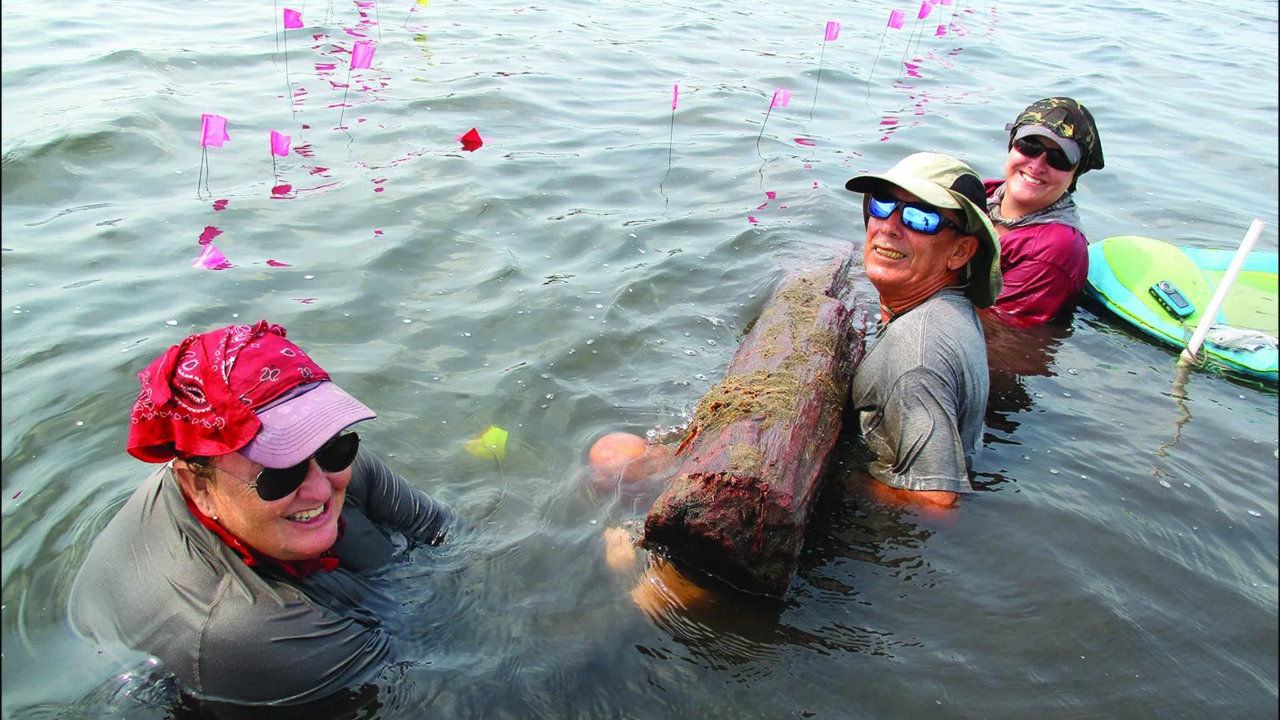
(1031, 184)
(299, 526)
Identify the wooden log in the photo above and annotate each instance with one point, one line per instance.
(758, 441)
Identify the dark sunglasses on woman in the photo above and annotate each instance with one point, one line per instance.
(334, 456)
(920, 217)
(1031, 148)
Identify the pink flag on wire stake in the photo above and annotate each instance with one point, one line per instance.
(280, 143)
(945, 2)
(213, 130)
(780, 98)
(895, 19)
(292, 19)
(925, 9)
(942, 30)
(833, 31)
(675, 95)
(362, 55)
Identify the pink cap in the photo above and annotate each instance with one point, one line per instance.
(295, 426)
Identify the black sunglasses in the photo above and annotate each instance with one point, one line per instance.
(921, 217)
(1032, 147)
(334, 456)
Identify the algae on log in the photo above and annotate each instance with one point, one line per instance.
(758, 441)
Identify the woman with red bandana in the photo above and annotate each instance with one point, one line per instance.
(239, 563)
(1044, 255)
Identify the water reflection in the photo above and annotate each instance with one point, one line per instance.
(1013, 355)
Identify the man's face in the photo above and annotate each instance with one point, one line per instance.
(907, 266)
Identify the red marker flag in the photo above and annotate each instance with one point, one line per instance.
(471, 140)
(280, 144)
(213, 130)
(292, 19)
(362, 55)
(895, 19)
(833, 31)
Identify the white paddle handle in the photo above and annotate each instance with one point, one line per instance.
(1220, 294)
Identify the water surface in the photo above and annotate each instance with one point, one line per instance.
(591, 268)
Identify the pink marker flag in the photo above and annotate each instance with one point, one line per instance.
(675, 95)
(895, 19)
(946, 2)
(280, 144)
(213, 130)
(942, 30)
(362, 55)
(925, 9)
(781, 97)
(833, 31)
(292, 19)
(211, 258)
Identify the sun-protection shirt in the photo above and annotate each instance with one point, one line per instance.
(921, 395)
(158, 581)
(1044, 261)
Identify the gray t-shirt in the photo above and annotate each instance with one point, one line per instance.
(921, 394)
(158, 581)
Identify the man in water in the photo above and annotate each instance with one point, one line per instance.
(920, 393)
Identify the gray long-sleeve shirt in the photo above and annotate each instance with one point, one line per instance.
(158, 581)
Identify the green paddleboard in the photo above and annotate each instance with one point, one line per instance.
(1123, 269)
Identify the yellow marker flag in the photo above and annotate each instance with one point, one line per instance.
(424, 3)
(491, 443)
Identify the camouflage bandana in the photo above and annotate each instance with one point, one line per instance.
(1069, 119)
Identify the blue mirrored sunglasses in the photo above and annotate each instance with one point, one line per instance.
(917, 216)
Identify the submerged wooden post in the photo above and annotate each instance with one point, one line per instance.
(758, 441)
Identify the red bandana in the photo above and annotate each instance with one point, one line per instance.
(198, 398)
(297, 568)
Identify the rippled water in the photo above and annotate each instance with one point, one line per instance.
(591, 268)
